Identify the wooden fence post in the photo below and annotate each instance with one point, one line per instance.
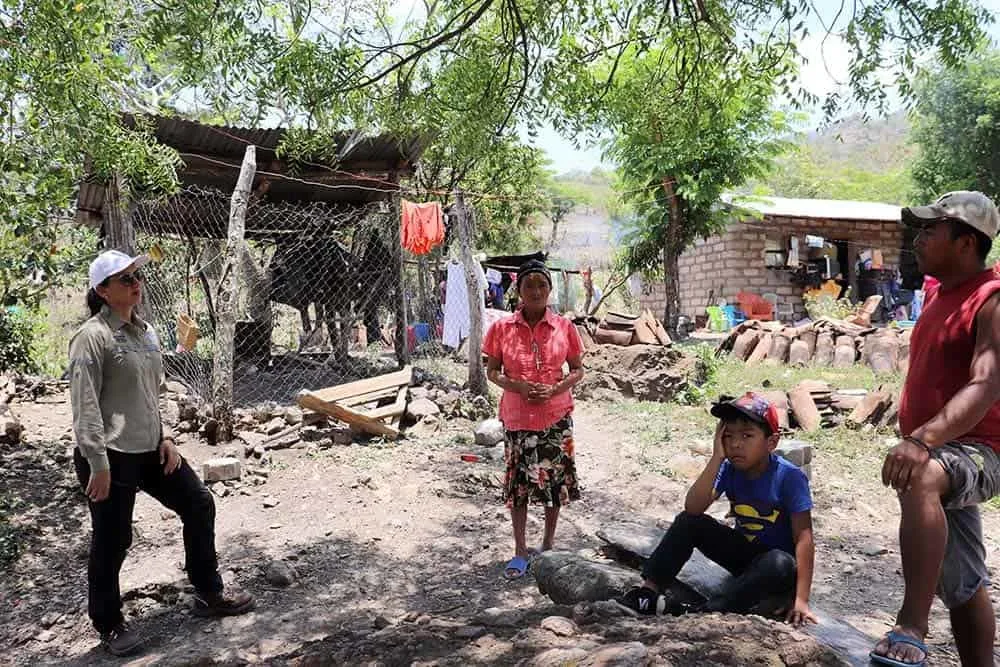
(477, 376)
(228, 298)
(400, 339)
(119, 230)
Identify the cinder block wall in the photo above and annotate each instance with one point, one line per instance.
(723, 265)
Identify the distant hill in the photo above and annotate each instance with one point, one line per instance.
(880, 144)
(851, 159)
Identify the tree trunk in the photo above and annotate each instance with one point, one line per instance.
(671, 252)
(229, 288)
(477, 374)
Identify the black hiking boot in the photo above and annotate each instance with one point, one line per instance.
(641, 601)
(222, 603)
(121, 641)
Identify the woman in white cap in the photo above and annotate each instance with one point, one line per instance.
(122, 447)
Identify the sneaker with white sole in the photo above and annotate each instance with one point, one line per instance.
(642, 601)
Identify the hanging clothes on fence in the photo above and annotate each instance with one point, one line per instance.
(421, 227)
(457, 323)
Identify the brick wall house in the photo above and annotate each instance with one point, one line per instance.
(720, 266)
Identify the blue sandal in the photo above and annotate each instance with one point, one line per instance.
(518, 565)
(899, 638)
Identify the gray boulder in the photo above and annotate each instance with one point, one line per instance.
(568, 578)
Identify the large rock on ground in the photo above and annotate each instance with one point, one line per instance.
(568, 578)
(643, 372)
(489, 432)
(422, 407)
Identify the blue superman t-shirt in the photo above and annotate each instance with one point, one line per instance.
(763, 506)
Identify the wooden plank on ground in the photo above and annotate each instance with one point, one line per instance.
(393, 409)
(370, 397)
(348, 416)
(351, 389)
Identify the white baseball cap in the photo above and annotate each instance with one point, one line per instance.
(973, 208)
(110, 262)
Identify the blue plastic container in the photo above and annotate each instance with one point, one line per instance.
(422, 332)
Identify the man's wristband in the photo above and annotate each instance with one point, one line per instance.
(917, 441)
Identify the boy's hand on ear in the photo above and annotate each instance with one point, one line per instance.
(718, 451)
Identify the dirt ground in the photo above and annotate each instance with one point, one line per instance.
(398, 549)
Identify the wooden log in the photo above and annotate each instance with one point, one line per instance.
(398, 335)
(745, 344)
(360, 388)
(804, 409)
(870, 409)
(824, 349)
(781, 342)
(477, 374)
(228, 297)
(760, 352)
(350, 417)
(845, 353)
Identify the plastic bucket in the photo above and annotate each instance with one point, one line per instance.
(187, 332)
(422, 331)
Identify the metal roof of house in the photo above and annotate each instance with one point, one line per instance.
(381, 152)
(830, 209)
(357, 169)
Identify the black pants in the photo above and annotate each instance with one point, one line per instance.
(111, 519)
(760, 572)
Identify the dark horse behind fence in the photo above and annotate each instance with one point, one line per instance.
(340, 284)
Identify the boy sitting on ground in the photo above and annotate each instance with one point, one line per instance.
(770, 500)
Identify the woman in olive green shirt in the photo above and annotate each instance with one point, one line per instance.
(121, 448)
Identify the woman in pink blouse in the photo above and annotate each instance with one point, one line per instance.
(527, 352)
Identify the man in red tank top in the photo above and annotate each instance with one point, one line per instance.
(947, 462)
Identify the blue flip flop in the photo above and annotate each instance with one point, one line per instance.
(518, 565)
(899, 638)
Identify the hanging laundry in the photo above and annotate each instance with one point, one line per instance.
(421, 228)
(457, 322)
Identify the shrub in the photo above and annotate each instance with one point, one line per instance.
(16, 335)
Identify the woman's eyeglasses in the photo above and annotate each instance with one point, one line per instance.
(129, 279)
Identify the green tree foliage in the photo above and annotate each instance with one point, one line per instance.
(802, 173)
(679, 147)
(957, 128)
(467, 73)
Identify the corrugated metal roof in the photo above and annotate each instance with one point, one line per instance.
(832, 209)
(188, 136)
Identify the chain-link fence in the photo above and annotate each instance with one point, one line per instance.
(318, 284)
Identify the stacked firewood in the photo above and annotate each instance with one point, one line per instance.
(825, 342)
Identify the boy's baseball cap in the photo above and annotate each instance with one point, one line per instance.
(750, 406)
(110, 262)
(973, 208)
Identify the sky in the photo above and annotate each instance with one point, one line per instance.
(827, 67)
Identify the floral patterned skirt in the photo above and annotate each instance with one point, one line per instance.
(540, 466)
